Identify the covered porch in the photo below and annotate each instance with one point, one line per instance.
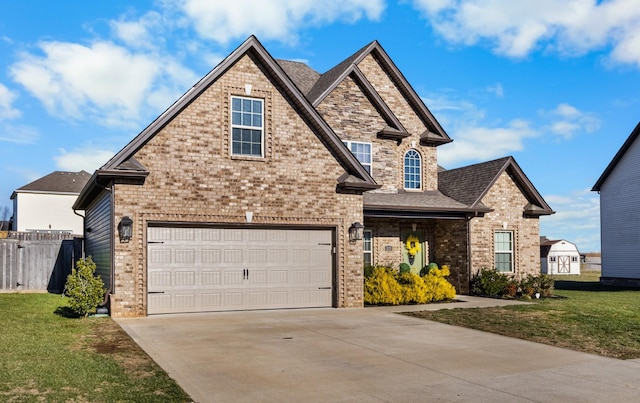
(440, 226)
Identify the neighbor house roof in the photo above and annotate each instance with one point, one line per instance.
(614, 162)
(356, 177)
(470, 184)
(57, 182)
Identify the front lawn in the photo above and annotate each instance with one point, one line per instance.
(45, 356)
(585, 316)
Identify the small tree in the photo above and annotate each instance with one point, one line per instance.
(84, 289)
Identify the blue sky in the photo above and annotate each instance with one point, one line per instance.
(554, 83)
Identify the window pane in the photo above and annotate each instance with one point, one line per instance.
(246, 105)
(236, 104)
(412, 170)
(503, 262)
(247, 138)
(367, 246)
(255, 136)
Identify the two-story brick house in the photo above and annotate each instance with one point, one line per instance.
(241, 195)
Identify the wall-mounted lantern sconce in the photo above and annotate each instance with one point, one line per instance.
(125, 229)
(414, 226)
(356, 232)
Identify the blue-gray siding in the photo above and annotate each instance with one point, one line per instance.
(620, 217)
(98, 236)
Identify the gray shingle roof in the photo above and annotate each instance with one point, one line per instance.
(57, 182)
(303, 76)
(470, 184)
(415, 201)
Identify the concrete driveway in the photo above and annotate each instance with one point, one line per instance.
(369, 355)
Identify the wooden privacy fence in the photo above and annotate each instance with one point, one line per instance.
(37, 265)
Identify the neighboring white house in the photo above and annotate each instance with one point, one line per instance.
(619, 188)
(559, 257)
(44, 205)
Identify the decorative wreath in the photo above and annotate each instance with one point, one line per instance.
(412, 245)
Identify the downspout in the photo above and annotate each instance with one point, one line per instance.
(468, 222)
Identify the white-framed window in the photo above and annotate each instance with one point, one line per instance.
(247, 122)
(412, 170)
(367, 246)
(503, 247)
(362, 151)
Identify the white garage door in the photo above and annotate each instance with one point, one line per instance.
(221, 269)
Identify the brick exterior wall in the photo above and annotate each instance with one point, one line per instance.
(193, 178)
(387, 89)
(508, 202)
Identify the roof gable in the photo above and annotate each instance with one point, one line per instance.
(328, 81)
(470, 184)
(123, 162)
(56, 182)
(616, 159)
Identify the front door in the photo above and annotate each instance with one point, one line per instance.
(413, 250)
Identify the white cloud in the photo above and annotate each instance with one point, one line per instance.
(478, 143)
(142, 33)
(18, 134)
(577, 219)
(517, 28)
(567, 120)
(474, 139)
(102, 82)
(223, 21)
(7, 111)
(87, 158)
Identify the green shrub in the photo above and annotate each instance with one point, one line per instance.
(382, 288)
(405, 268)
(489, 283)
(85, 291)
(368, 270)
(541, 283)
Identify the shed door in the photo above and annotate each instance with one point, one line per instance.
(564, 264)
(221, 269)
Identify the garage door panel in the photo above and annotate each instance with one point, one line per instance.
(211, 278)
(210, 269)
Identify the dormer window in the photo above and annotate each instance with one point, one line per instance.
(362, 151)
(412, 170)
(247, 126)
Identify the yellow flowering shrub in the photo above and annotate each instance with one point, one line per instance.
(382, 288)
(387, 286)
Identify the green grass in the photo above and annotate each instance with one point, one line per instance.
(584, 316)
(46, 356)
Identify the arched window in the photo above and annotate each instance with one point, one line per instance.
(412, 170)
